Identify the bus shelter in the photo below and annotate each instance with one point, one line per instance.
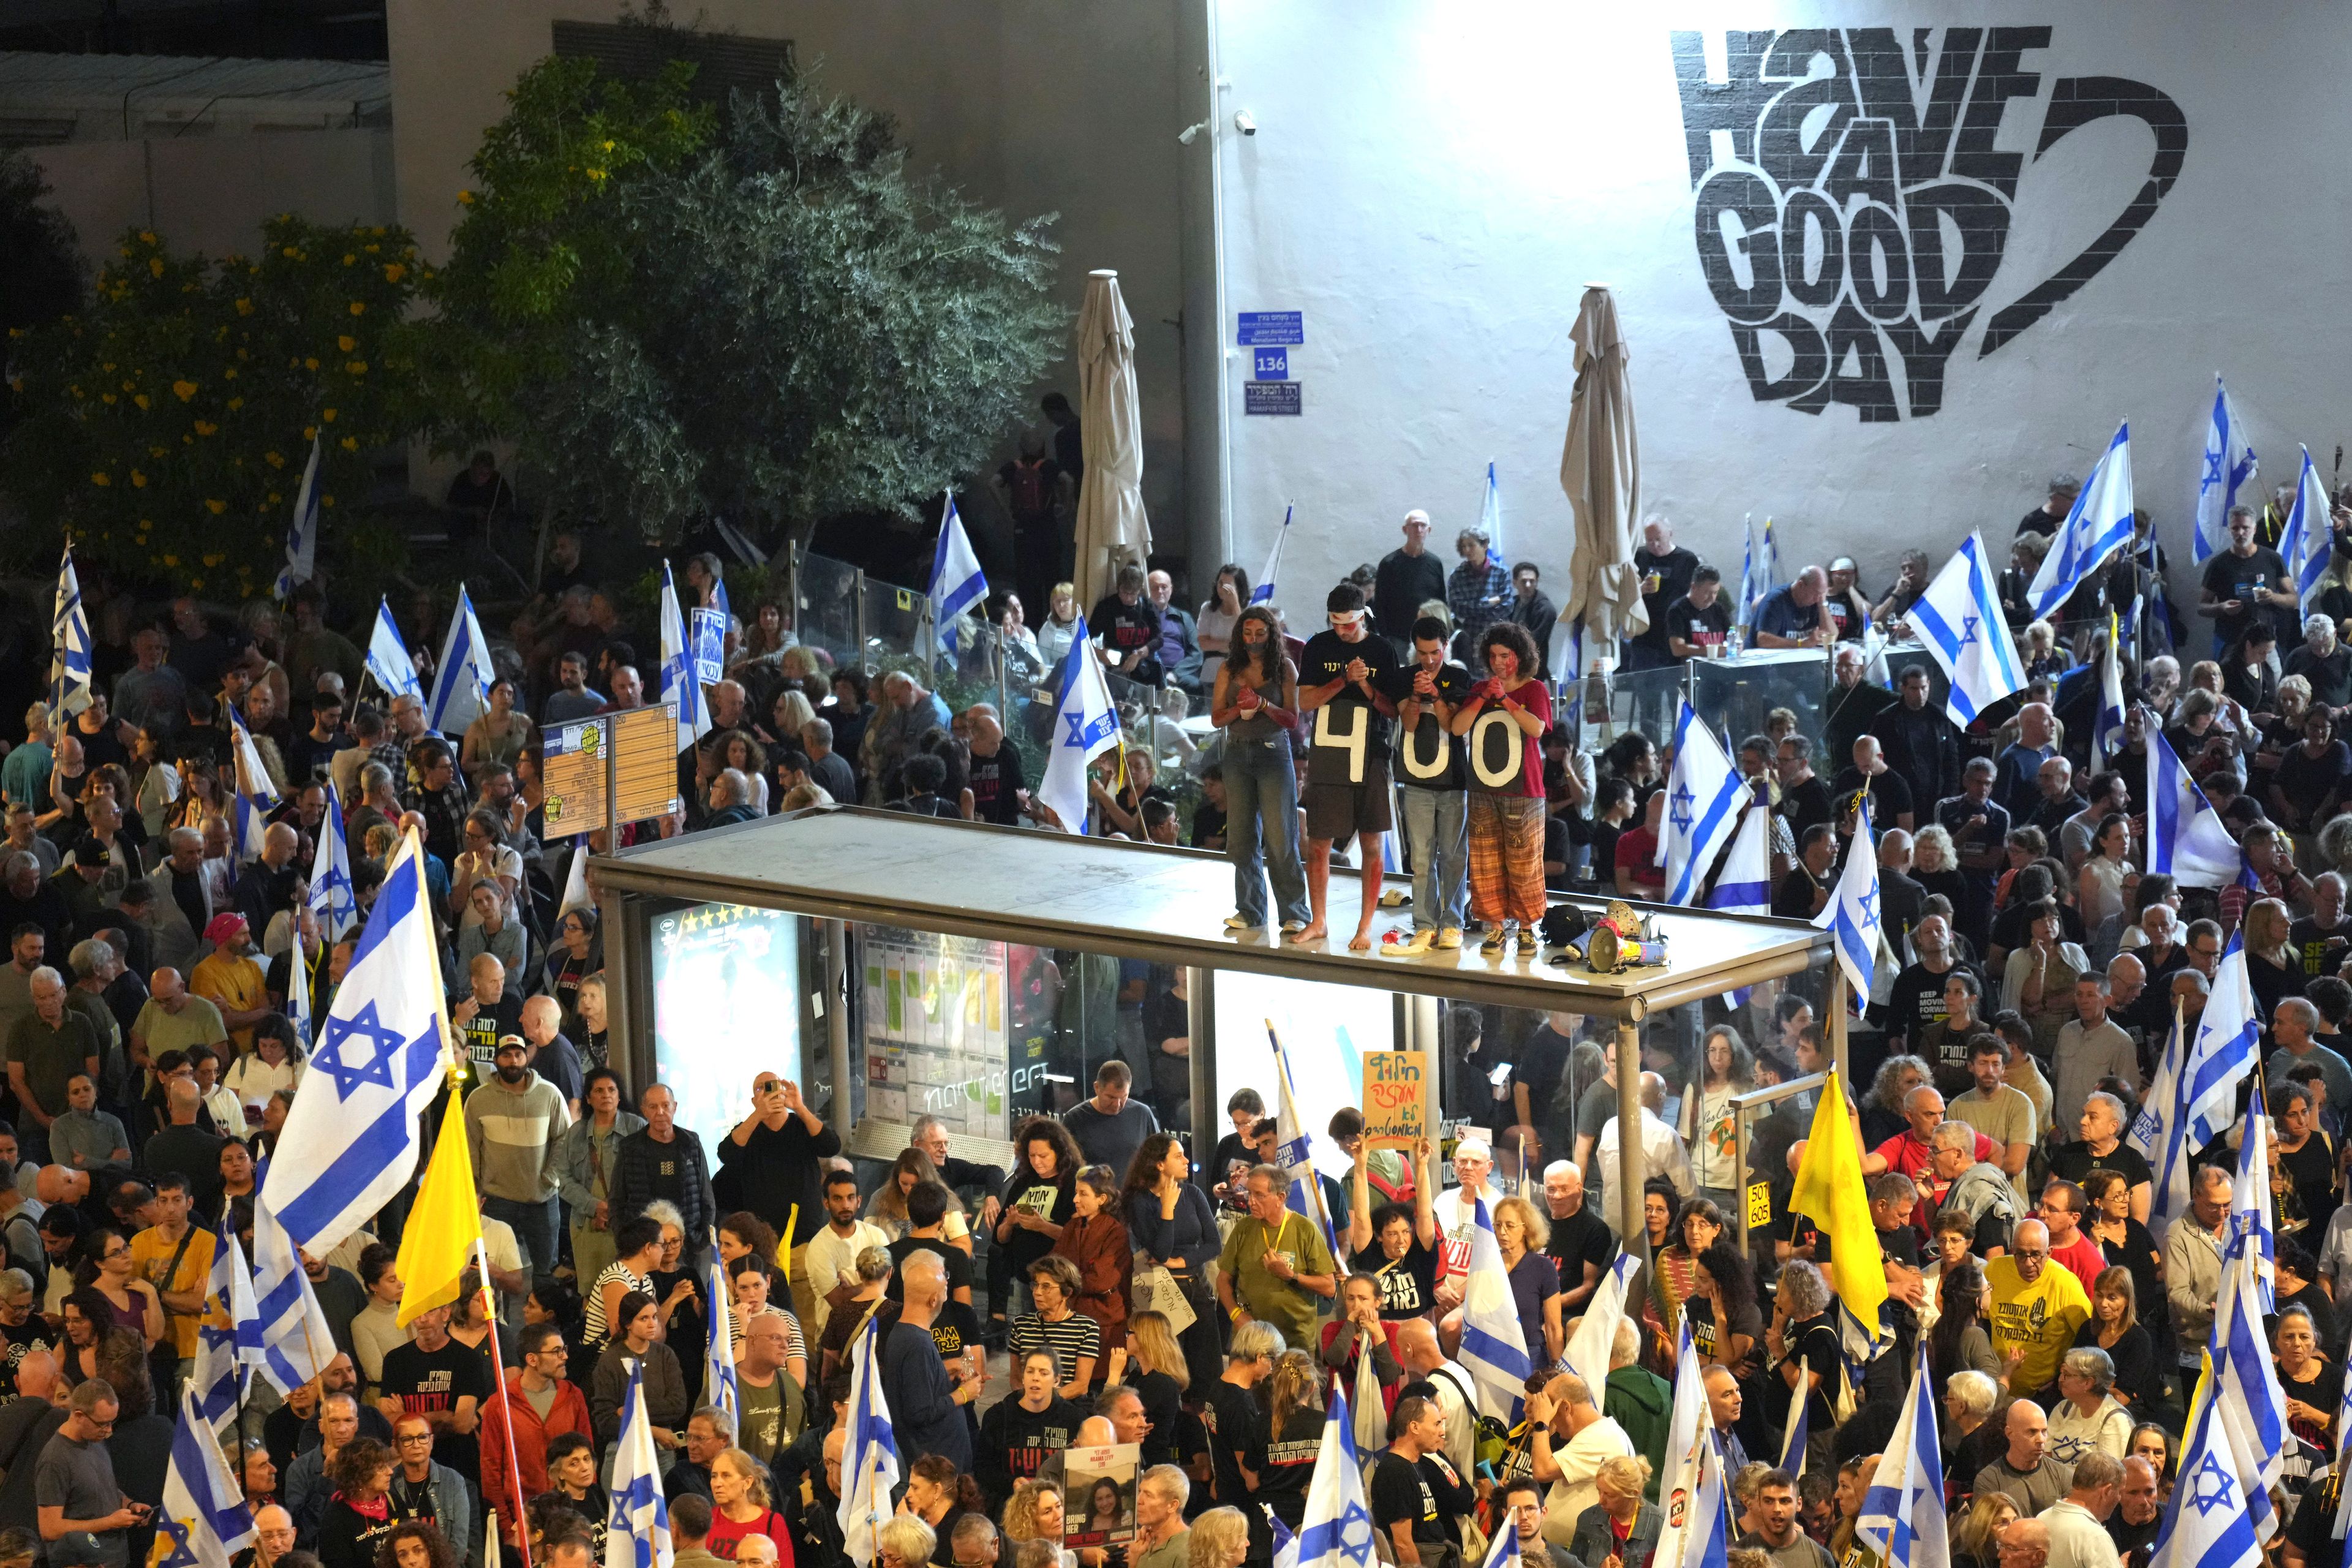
(903, 967)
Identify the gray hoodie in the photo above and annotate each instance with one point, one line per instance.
(515, 1136)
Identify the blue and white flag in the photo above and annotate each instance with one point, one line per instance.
(1851, 916)
(2207, 1524)
(639, 1532)
(388, 657)
(1903, 1509)
(255, 794)
(1494, 1344)
(1794, 1434)
(1710, 1522)
(869, 1464)
(2308, 541)
(1264, 593)
(229, 1335)
(332, 898)
(1490, 516)
(719, 1386)
(1086, 725)
(298, 989)
(2230, 465)
(1286, 1544)
(2159, 1133)
(1503, 1552)
(461, 682)
(1704, 794)
(2099, 524)
(69, 676)
(1744, 885)
(1760, 572)
(957, 582)
(2250, 1230)
(2244, 1387)
(1565, 658)
(1335, 1529)
(302, 528)
(297, 1340)
(1690, 1427)
(1961, 621)
(1294, 1148)
(350, 1140)
(679, 683)
(2108, 738)
(1594, 1338)
(2229, 1039)
(2186, 838)
(203, 1521)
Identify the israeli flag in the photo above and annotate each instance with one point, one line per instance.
(2250, 1230)
(1903, 1510)
(332, 898)
(1086, 725)
(203, 1521)
(869, 1469)
(256, 795)
(2229, 1035)
(1959, 620)
(957, 582)
(70, 678)
(2230, 465)
(461, 683)
(2309, 537)
(1565, 657)
(350, 1140)
(1689, 1426)
(1264, 593)
(1494, 1345)
(1744, 885)
(2099, 524)
(1759, 570)
(1708, 1514)
(1490, 516)
(1295, 1149)
(297, 1340)
(1335, 1531)
(228, 1337)
(2206, 1524)
(298, 989)
(1703, 793)
(1286, 1545)
(1794, 1434)
(302, 528)
(1852, 914)
(2159, 1133)
(2244, 1389)
(639, 1532)
(2186, 839)
(719, 1386)
(388, 657)
(2107, 729)
(1590, 1347)
(679, 683)
(1504, 1551)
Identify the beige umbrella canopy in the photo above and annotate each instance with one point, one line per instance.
(1111, 528)
(1600, 470)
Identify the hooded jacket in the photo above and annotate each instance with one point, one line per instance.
(1642, 1402)
(517, 1137)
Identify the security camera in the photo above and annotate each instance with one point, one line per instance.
(1185, 136)
(1244, 123)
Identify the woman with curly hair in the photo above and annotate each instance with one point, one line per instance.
(1034, 1513)
(1727, 1068)
(1038, 1201)
(1727, 1324)
(1505, 719)
(359, 1516)
(414, 1543)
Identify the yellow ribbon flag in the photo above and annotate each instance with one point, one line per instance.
(436, 1246)
(1831, 1191)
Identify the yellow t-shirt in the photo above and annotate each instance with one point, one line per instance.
(2041, 1317)
(150, 1254)
(235, 985)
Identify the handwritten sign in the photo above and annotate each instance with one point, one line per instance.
(1395, 1083)
(1760, 1204)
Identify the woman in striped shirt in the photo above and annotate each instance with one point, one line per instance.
(1074, 1339)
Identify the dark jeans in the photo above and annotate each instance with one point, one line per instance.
(534, 1228)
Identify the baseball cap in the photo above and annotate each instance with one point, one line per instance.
(223, 927)
(77, 1549)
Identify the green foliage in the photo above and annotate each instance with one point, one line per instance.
(40, 268)
(166, 429)
(762, 317)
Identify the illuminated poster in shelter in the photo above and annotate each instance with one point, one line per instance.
(727, 1007)
(945, 1018)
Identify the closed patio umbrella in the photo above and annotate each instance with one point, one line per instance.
(1111, 528)
(1600, 468)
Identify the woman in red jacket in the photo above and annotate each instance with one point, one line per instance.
(1096, 1240)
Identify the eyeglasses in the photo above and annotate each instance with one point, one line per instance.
(2026, 1255)
(416, 1436)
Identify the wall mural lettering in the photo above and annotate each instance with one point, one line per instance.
(1852, 204)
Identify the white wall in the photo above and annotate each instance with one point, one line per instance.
(1435, 181)
(1031, 106)
(213, 192)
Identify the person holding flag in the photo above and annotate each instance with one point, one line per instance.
(2230, 465)
(2097, 525)
(1959, 620)
(2308, 542)
(69, 668)
(1903, 1508)
(1085, 726)
(958, 584)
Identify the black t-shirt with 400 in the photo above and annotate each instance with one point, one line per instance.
(1427, 755)
(1349, 740)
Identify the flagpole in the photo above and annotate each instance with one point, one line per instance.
(505, 1399)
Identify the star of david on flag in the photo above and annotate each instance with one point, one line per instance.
(1958, 620)
(1088, 722)
(1336, 1527)
(1851, 916)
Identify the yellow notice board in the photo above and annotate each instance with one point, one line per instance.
(645, 747)
(573, 773)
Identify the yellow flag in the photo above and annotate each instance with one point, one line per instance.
(1831, 1191)
(436, 1246)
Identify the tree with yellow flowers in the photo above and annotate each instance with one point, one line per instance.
(165, 428)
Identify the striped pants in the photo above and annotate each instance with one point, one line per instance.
(1507, 873)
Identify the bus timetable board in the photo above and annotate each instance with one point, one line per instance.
(645, 748)
(573, 776)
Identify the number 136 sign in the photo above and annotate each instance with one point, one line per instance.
(1394, 1089)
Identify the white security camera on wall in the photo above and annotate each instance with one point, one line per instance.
(1244, 122)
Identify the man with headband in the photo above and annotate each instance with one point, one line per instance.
(1341, 677)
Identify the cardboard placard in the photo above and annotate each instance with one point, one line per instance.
(1395, 1090)
(1099, 1494)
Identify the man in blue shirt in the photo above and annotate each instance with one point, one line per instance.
(2017, 782)
(925, 1404)
(1794, 617)
(1979, 828)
